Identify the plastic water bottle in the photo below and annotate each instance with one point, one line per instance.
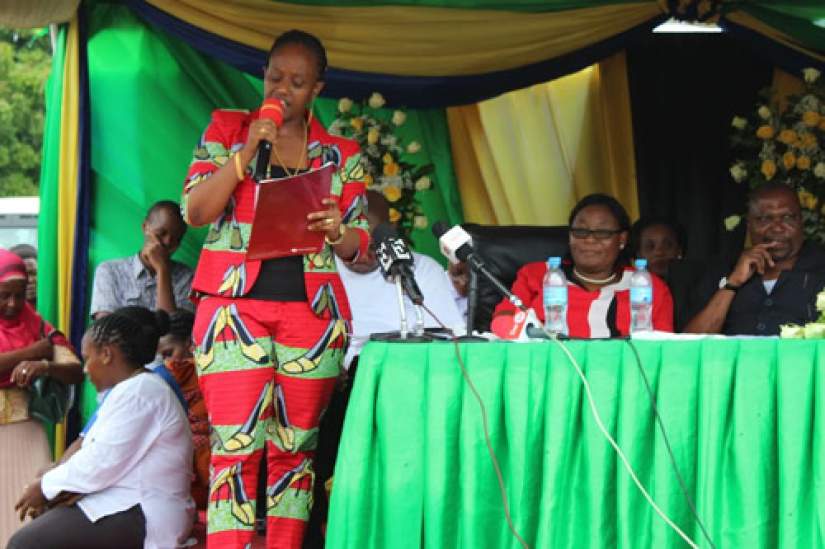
(641, 299)
(554, 293)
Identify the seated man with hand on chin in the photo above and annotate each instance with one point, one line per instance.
(774, 282)
(150, 278)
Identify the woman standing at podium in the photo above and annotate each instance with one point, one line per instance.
(270, 335)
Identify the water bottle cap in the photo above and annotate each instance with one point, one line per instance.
(641, 263)
(554, 262)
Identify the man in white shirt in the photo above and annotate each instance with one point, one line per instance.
(373, 299)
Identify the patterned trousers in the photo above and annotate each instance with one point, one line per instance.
(267, 370)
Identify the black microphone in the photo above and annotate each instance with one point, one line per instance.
(396, 260)
(456, 245)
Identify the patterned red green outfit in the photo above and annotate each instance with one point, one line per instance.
(267, 368)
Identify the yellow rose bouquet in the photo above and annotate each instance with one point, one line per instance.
(390, 164)
(783, 142)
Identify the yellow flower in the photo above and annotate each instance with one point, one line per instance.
(807, 200)
(391, 169)
(788, 137)
(368, 180)
(811, 119)
(789, 160)
(392, 193)
(395, 215)
(764, 132)
(387, 158)
(808, 141)
(372, 136)
(357, 123)
(768, 169)
(803, 162)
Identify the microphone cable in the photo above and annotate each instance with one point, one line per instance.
(658, 417)
(625, 462)
(485, 427)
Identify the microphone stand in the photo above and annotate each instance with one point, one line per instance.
(472, 298)
(402, 310)
(403, 335)
(419, 321)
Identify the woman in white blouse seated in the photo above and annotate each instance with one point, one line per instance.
(128, 484)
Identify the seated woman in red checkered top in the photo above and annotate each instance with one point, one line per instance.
(598, 271)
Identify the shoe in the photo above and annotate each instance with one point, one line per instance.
(235, 240)
(312, 358)
(244, 437)
(249, 347)
(283, 430)
(206, 352)
(325, 299)
(276, 492)
(241, 508)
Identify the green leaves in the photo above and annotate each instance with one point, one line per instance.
(25, 60)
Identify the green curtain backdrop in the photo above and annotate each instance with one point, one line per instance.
(152, 96)
(744, 418)
(49, 166)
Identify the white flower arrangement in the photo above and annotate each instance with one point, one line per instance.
(811, 330)
(386, 160)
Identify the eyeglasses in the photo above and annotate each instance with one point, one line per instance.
(599, 234)
(763, 220)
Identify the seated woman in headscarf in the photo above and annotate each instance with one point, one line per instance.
(598, 271)
(29, 348)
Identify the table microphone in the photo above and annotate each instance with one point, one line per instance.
(271, 109)
(396, 260)
(456, 244)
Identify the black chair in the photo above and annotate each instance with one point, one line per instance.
(505, 250)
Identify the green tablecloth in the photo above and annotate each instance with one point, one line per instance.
(744, 417)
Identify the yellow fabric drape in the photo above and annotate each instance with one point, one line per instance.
(416, 41)
(527, 156)
(67, 193)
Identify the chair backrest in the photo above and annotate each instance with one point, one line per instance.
(505, 250)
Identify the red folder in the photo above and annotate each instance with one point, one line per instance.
(279, 228)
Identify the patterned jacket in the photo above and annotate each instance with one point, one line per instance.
(223, 268)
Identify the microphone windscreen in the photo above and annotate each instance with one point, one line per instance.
(439, 228)
(272, 109)
(502, 325)
(383, 231)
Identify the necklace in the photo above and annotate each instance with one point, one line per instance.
(595, 281)
(301, 161)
